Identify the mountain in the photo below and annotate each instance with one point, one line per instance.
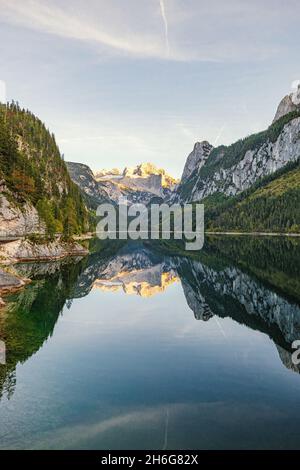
(104, 172)
(131, 267)
(252, 184)
(196, 159)
(147, 170)
(144, 178)
(288, 104)
(229, 170)
(93, 193)
(136, 271)
(140, 184)
(36, 191)
(143, 283)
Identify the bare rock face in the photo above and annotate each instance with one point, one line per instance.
(255, 164)
(288, 104)
(83, 176)
(146, 170)
(139, 184)
(107, 173)
(15, 221)
(25, 250)
(150, 183)
(196, 159)
(239, 171)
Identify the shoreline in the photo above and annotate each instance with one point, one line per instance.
(25, 251)
(10, 283)
(85, 236)
(89, 236)
(256, 234)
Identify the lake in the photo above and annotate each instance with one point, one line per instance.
(138, 346)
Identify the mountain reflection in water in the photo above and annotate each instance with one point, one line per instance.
(254, 282)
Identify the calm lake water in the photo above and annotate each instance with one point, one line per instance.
(140, 347)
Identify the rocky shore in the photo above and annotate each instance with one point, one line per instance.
(23, 250)
(10, 283)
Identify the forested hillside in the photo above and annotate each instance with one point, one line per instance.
(33, 171)
(271, 205)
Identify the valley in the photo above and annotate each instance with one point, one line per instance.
(251, 186)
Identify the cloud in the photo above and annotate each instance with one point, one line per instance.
(129, 423)
(74, 23)
(200, 31)
(164, 17)
(2, 91)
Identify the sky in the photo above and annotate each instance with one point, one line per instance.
(125, 82)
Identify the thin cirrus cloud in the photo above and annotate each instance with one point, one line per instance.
(191, 31)
(76, 23)
(166, 25)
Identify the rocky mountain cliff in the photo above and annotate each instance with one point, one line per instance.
(288, 104)
(233, 169)
(93, 192)
(148, 170)
(196, 159)
(139, 184)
